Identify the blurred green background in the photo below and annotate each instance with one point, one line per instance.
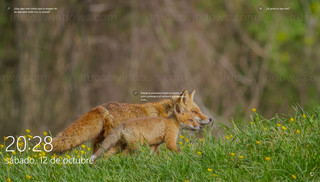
(53, 67)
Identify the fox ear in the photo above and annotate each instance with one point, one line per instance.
(183, 99)
(191, 95)
(178, 99)
(178, 109)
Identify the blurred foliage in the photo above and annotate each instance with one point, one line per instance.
(235, 56)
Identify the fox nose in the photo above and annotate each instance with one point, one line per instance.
(200, 127)
(210, 119)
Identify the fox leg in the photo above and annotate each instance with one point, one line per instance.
(155, 148)
(131, 147)
(172, 147)
(111, 152)
(126, 151)
(96, 143)
(171, 143)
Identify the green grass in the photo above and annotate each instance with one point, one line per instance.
(291, 152)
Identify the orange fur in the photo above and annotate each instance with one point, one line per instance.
(151, 130)
(97, 123)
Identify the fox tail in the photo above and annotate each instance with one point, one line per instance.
(87, 127)
(108, 142)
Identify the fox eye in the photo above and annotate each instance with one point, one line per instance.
(190, 120)
(195, 112)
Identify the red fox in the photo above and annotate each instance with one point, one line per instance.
(152, 131)
(99, 122)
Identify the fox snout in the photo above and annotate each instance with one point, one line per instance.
(196, 126)
(191, 126)
(204, 121)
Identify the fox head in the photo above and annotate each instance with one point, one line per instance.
(185, 118)
(186, 100)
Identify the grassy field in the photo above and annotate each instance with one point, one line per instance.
(283, 148)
